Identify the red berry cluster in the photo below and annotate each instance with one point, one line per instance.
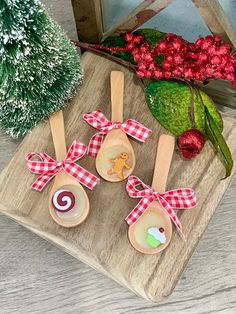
(207, 58)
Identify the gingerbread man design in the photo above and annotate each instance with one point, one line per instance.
(119, 165)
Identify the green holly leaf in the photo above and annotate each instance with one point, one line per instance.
(218, 141)
(169, 102)
(120, 42)
(151, 36)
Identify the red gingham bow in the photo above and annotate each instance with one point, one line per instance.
(99, 121)
(174, 199)
(48, 167)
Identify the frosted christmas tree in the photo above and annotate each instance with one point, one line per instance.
(39, 67)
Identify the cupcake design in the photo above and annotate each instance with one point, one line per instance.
(155, 237)
(63, 200)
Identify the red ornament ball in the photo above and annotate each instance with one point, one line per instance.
(190, 143)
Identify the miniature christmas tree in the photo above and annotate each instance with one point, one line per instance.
(39, 67)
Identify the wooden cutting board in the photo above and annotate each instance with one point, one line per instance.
(101, 241)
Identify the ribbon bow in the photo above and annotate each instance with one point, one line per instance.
(174, 199)
(48, 167)
(99, 121)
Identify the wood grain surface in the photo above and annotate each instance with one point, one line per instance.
(36, 277)
(101, 241)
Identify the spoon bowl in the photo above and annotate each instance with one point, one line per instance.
(154, 217)
(115, 143)
(68, 209)
(116, 159)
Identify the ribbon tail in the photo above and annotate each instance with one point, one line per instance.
(136, 130)
(138, 211)
(42, 181)
(170, 212)
(81, 175)
(95, 144)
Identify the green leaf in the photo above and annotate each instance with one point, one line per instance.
(218, 141)
(169, 102)
(151, 36)
(120, 42)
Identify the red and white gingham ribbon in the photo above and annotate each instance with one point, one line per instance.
(174, 199)
(99, 121)
(48, 167)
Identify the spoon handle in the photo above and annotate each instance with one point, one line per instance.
(58, 134)
(117, 95)
(164, 155)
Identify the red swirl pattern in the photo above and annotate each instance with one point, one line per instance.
(63, 200)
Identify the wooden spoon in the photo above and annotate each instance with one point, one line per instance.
(116, 160)
(155, 216)
(70, 215)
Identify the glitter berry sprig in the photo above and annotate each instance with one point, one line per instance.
(207, 58)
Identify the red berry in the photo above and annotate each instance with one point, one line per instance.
(140, 73)
(177, 44)
(207, 43)
(190, 143)
(161, 230)
(162, 46)
(229, 68)
(200, 41)
(188, 72)
(135, 51)
(137, 57)
(130, 46)
(217, 38)
(230, 77)
(177, 59)
(129, 37)
(137, 39)
(169, 58)
(193, 56)
(223, 49)
(167, 74)
(217, 74)
(158, 74)
(202, 56)
(149, 74)
(142, 66)
(152, 65)
(144, 48)
(176, 72)
(215, 60)
(199, 76)
(166, 65)
(209, 71)
(171, 37)
(148, 57)
(212, 50)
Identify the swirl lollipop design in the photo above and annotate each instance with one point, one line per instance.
(63, 200)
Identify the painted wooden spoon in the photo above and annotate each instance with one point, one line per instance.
(116, 160)
(155, 219)
(68, 201)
